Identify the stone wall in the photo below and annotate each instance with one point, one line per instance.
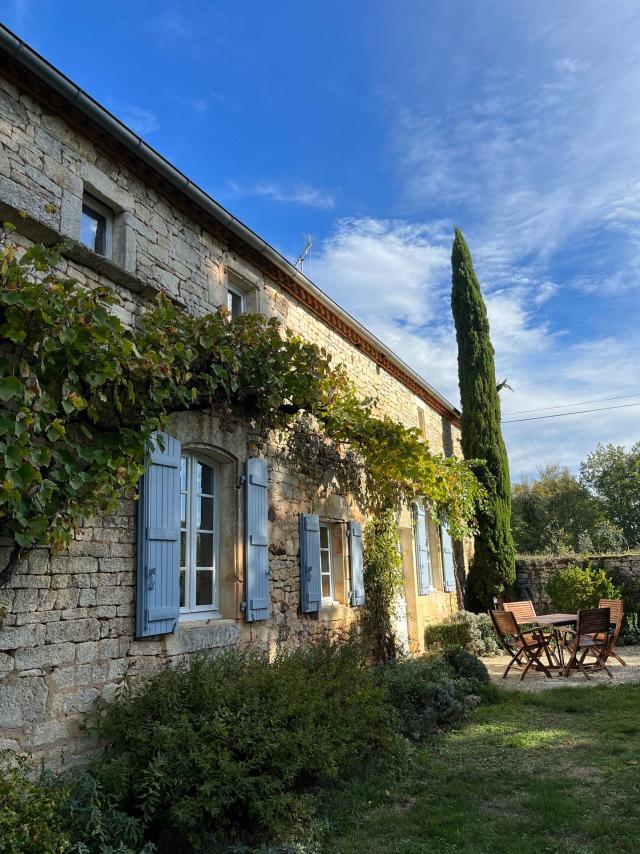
(534, 572)
(68, 634)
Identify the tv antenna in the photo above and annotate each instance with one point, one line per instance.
(306, 251)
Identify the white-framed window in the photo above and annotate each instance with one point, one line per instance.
(96, 226)
(199, 538)
(235, 302)
(326, 562)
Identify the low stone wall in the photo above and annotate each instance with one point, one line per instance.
(534, 571)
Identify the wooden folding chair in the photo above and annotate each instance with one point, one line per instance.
(525, 614)
(524, 648)
(591, 637)
(616, 607)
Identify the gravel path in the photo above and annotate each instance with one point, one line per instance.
(539, 682)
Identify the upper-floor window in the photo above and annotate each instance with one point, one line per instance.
(235, 302)
(96, 226)
(198, 536)
(422, 427)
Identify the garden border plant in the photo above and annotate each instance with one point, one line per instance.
(82, 394)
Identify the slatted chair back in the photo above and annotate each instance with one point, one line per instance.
(616, 608)
(524, 612)
(505, 624)
(593, 621)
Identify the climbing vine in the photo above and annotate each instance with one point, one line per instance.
(383, 579)
(82, 393)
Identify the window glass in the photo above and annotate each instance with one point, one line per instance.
(235, 303)
(199, 535)
(325, 562)
(95, 226)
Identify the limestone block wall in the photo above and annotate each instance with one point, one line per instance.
(68, 634)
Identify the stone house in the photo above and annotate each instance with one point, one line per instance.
(133, 590)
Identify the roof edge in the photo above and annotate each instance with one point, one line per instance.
(20, 52)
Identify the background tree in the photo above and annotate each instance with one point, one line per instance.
(613, 475)
(556, 513)
(493, 567)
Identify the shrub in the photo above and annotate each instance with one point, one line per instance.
(575, 587)
(96, 824)
(230, 745)
(473, 632)
(30, 811)
(447, 634)
(425, 694)
(466, 665)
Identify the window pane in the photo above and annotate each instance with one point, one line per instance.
(204, 550)
(234, 304)
(204, 587)
(204, 479)
(183, 510)
(324, 561)
(93, 230)
(182, 594)
(205, 513)
(324, 537)
(326, 587)
(183, 548)
(183, 474)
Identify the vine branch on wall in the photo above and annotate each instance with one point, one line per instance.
(82, 393)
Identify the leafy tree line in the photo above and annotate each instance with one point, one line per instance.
(597, 510)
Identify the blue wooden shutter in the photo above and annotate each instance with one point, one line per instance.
(448, 564)
(423, 559)
(356, 563)
(257, 540)
(158, 555)
(310, 581)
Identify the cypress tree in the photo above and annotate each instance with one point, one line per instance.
(493, 566)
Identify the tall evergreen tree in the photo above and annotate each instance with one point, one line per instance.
(493, 566)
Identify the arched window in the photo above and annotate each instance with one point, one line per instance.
(199, 541)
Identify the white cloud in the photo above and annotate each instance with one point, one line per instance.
(140, 120)
(394, 277)
(388, 268)
(287, 193)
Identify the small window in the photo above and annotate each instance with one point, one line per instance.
(198, 536)
(96, 226)
(326, 572)
(334, 563)
(235, 302)
(422, 428)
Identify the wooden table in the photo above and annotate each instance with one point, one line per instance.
(554, 621)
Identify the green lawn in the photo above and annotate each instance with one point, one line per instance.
(552, 772)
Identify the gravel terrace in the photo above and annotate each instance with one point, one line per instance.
(535, 681)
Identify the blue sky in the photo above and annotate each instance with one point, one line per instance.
(375, 126)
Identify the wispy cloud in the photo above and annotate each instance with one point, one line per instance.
(288, 193)
(172, 22)
(140, 120)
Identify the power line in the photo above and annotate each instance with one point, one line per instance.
(575, 412)
(577, 403)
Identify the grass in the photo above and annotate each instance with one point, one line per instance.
(531, 773)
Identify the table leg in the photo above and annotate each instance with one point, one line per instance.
(559, 651)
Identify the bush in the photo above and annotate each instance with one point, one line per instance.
(473, 632)
(466, 665)
(425, 693)
(575, 587)
(447, 634)
(30, 811)
(229, 746)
